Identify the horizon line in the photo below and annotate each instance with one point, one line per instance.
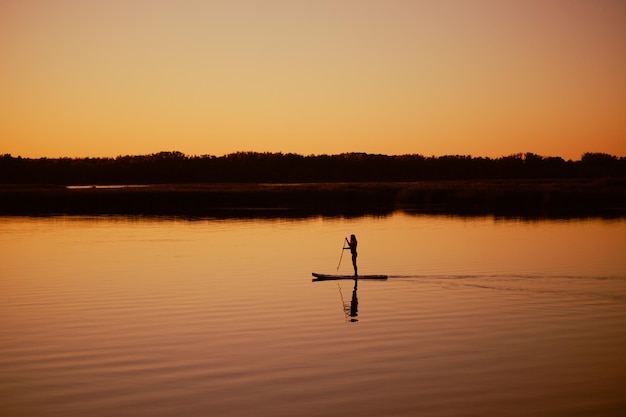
(182, 154)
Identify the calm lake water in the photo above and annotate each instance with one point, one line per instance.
(127, 316)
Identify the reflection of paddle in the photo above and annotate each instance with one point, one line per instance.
(343, 304)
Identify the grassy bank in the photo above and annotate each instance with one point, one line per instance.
(532, 198)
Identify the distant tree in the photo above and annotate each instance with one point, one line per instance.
(600, 164)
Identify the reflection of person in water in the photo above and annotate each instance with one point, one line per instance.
(352, 246)
(354, 304)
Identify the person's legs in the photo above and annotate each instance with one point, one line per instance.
(354, 265)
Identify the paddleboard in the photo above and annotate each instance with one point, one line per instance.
(328, 277)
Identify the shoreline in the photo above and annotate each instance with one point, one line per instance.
(544, 198)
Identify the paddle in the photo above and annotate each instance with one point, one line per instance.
(342, 249)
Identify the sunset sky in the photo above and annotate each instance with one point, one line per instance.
(474, 77)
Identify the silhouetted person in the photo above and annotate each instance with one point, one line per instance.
(352, 246)
(354, 305)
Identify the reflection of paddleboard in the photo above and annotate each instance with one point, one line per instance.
(327, 277)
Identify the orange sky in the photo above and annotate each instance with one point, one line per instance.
(482, 77)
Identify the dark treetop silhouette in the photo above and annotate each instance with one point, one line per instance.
(175, 167)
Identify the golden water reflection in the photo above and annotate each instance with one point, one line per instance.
(161, 317)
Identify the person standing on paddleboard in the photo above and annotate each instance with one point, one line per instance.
(352, 246)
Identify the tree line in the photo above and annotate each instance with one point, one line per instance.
(254, 167)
